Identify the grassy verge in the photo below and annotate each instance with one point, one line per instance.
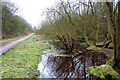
(22, 61)
(12, 39)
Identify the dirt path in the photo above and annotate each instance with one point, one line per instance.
(5, 47)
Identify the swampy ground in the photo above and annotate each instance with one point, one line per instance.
(22, 61)
(26, 59)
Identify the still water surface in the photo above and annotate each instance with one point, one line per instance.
(54, 65)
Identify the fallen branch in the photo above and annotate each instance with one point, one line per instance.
(104, 45)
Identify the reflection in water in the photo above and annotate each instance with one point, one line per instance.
(69, 67)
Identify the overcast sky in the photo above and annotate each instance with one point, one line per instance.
(31, 10)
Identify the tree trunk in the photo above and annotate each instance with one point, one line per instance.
(94, 37)
(119, 27)
(98, 23)
(115, 32)
(94, 32)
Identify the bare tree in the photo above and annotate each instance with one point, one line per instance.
(115, 32)
(119, 27)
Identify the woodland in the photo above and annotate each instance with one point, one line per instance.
(12, 24)
(95, 23)
(78, 28)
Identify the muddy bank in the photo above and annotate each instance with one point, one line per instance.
(77, 47)
(81, 47)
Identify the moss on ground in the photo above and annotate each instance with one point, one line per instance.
(110, 62)
(22, 61)
(107, 52)
(105, 71)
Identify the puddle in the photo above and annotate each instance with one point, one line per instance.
(54, 65)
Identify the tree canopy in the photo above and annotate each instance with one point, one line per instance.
(12, 24)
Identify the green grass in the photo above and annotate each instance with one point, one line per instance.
(12, 39)
(22, 61)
